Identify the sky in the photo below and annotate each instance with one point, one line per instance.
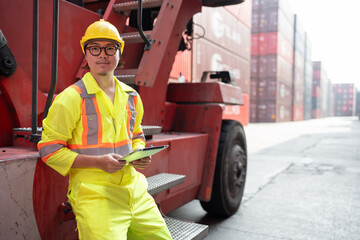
(334, 30)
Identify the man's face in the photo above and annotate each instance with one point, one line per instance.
(103, 64)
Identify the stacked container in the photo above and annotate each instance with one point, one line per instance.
(344, 99)
(320, 93)
(308, 78)
(271, 61)
(298, 71)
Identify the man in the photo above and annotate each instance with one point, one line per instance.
(90, 126)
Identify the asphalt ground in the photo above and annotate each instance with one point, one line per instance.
(303, 182)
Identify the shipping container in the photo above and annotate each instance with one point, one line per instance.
(299, 36)
(273, 66)
(223, 30)
(281, 5)
(344, 99)
(272, 43)
(208, 56)
(273, 20)
(272, 89)
(242, 12)
(270, 111)
(182, 64)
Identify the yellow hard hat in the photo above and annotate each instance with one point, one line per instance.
(102, 30)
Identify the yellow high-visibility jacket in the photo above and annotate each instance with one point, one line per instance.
(82, 119)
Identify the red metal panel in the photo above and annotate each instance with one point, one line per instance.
(224, 30)
(154, 97)
(156, 63)
(176, 159)
(238, 113)
(210, 57)
(207, 92)
(202, 119)
(6, 122)
(18, 98)
(182, 64)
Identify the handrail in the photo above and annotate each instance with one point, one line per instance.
(148, 42)
(34, 137)
(54, 61)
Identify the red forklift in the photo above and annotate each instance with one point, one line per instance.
(40, 56)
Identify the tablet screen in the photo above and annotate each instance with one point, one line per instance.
(143, 152)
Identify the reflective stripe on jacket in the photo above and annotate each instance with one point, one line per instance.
(83, 120)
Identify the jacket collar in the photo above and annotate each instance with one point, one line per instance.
(92, 86)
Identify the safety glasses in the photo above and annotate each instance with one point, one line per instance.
(96, 50)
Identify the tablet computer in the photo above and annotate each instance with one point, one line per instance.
(143, 152)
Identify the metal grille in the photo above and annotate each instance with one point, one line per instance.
(181, 230)
(163, 181)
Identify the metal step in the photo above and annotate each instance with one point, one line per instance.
(126, 76)
(133, 5)
(181, 230)
(163, 181)
(134, 37)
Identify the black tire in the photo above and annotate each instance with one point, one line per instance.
(230, 171)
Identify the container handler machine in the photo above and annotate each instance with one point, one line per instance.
(40, 56)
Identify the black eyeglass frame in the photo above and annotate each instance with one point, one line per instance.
(101, 49)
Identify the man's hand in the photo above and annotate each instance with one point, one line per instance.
(109, 163)
(141, 163)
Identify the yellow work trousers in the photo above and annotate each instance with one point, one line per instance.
(114, 206)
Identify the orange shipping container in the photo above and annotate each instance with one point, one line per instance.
(182, 64)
